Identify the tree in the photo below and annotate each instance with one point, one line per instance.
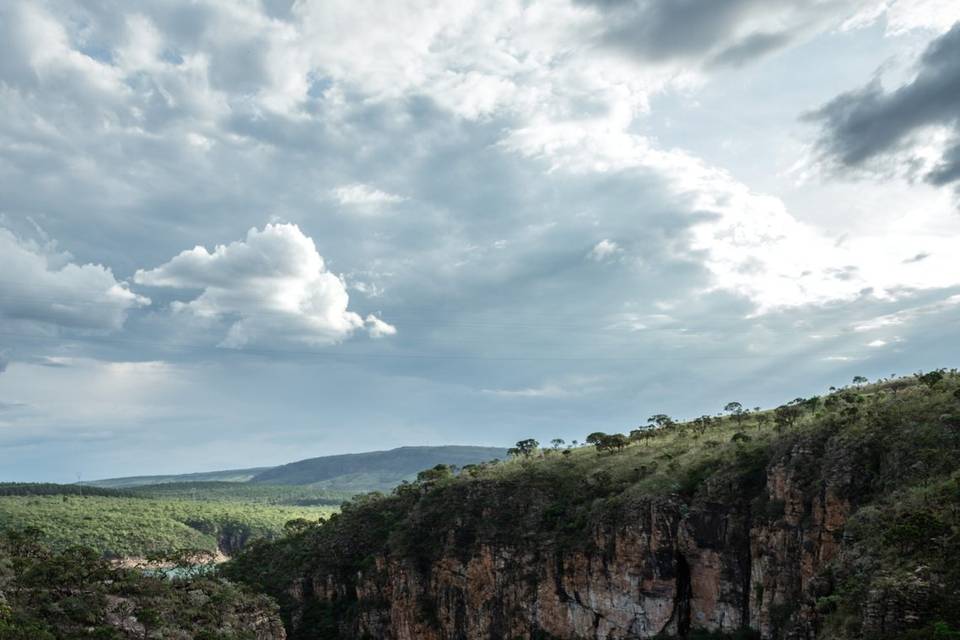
(641, 433)
(763, 419)
(439, 472)
(661, 420)
(702, 423)
(931, 378)
(295, 526)
(859, 380)
(613, 442)
(784, 416)
(557, 443)
(595, 437)
(736, 410)
(525, 448)
(740, 437)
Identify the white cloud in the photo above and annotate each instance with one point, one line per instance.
(272, 287)
(378, 328)
(361, 194)
(909, 314)
(40, 284)
(568, 387)
(906, 15)
(750, 241)
(544, 391)
(603, 250)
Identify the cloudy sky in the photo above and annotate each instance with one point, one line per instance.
(243, 233)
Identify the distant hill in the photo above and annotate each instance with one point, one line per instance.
(341, 474)
(375, 470)
(232, 475)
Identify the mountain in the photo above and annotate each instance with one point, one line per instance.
(232, 475)
(826, 518)
(347, 473)
(375, 470)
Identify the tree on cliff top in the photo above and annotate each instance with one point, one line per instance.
(524, 448)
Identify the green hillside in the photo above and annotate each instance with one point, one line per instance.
(331, 478)
(375, 470)
(828, 517)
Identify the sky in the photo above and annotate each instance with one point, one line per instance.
(238, 234)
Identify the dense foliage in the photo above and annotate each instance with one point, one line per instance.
(51, 489)
(73, 594)
(896, 441)
(246, 492)
(117, 526)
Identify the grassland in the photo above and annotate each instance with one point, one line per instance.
(139, 526)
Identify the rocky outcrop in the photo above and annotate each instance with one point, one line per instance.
(843, 523)
(662, 566)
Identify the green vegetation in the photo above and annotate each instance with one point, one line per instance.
(116, 526)
(51, 489)
(72, 593)
(892, 447)
(246, 492)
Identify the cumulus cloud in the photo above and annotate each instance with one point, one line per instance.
(915, 126)
(271, 287)
(41, 284)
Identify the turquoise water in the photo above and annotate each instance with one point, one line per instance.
(176, 573)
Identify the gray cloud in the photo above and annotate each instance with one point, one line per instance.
(39, 284)
(865, 127)
(478, 251)
(750, 48)
(717, 32)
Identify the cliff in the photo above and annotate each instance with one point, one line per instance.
(840, 522)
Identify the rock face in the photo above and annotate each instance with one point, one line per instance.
(663, 566)
(845, 526)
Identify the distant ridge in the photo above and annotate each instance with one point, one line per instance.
(348, 473)
(230, 475)
(374, 470)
